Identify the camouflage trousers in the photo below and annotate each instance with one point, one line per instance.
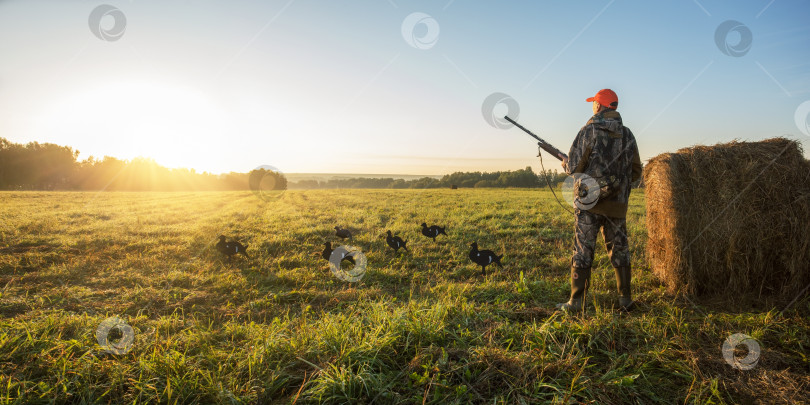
(614, 231)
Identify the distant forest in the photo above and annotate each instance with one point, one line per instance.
(524, 178)
(47, 166)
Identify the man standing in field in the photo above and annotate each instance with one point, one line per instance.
(605, 151)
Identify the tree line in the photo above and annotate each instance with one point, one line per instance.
(524, 178)
(47, 166)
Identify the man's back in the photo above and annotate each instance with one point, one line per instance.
(605, 147)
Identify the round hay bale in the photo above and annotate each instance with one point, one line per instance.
(732, 218)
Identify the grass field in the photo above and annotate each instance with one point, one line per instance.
(421, 327)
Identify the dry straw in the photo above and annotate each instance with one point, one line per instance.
(732, 218)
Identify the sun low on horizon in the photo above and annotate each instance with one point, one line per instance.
(177, 125)
(161, 121)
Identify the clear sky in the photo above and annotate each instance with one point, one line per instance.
(370, 87)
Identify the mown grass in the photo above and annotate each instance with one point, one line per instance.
(421, 327)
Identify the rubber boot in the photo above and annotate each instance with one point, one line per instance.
(623, 285)
(580, 280)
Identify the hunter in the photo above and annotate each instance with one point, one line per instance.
(605, 153)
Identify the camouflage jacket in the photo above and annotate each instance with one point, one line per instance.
(603, 147)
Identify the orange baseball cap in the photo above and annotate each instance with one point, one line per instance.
(605, 97)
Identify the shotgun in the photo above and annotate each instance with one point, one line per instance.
(541, 143)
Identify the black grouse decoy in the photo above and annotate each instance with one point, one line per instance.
(433, 231)
(395, 242)
(484, 257)
(231, 248)
(327, 253)
(343, 233)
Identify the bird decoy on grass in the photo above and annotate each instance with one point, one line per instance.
(432, 231)
(395, 242)
(327, 253)
(484, 258)
(231, 248)
(343, 233)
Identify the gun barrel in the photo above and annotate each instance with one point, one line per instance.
(540, 142)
